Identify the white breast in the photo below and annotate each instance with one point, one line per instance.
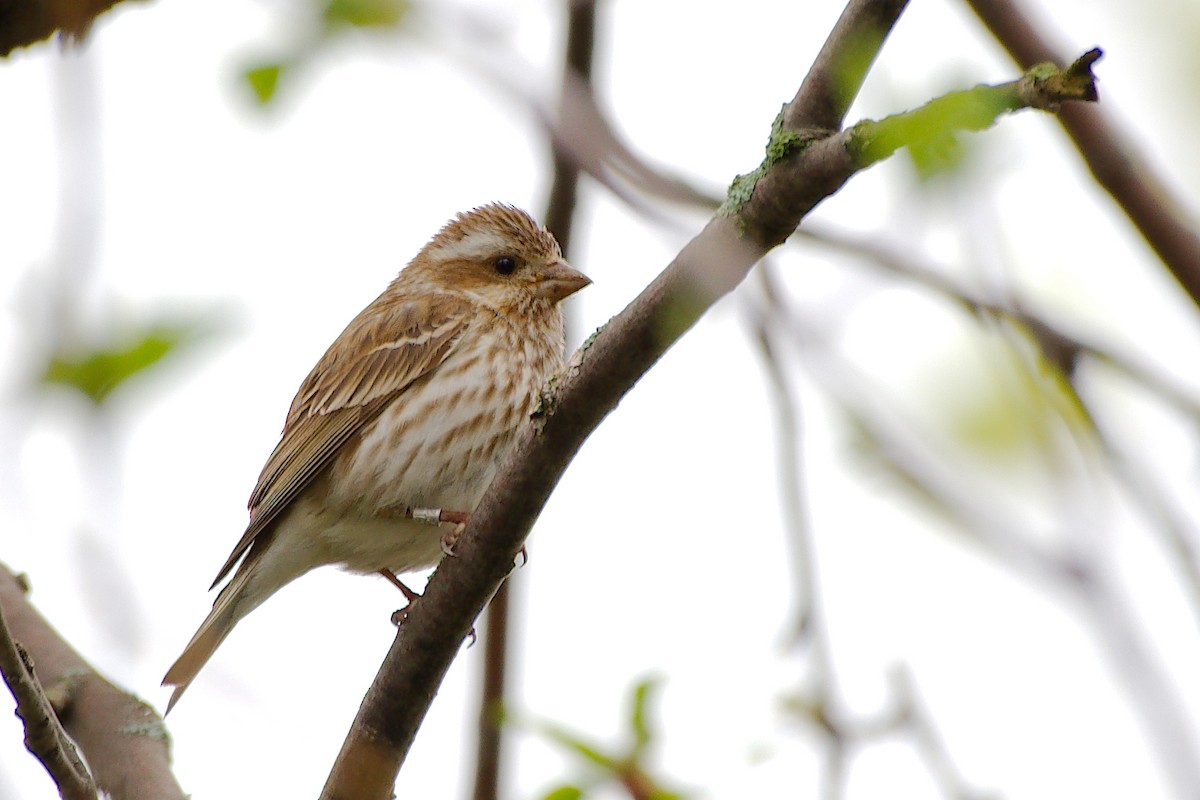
(439, 444)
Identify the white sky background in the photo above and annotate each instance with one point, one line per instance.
(662, 550)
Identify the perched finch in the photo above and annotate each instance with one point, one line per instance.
(412, 408)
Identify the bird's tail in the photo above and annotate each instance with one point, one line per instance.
(228, 609)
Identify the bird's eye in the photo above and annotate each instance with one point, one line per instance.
(505, 265)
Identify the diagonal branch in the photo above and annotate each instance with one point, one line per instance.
(841, 66)
(764, 213)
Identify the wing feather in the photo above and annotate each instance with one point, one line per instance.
(382, 352)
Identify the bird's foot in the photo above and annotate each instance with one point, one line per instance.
(450, 537)
(399, 614)
(439, 516)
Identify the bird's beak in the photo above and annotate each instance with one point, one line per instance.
(558, 281)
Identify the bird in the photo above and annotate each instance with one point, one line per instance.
(410, 411)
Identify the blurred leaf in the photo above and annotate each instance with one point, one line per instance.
(938, 156)
(263, 80)
(565, 793)
(1015, 411)
(938, 149)
(364, 13)
(658, 793)
(625, 770)
(97, 371)
(878, 458)
(576, 743)
(335, 17)
(642, 735)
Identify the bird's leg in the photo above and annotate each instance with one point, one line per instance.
(399, 584)
(450, 537)
(436, 516)
(399, 615)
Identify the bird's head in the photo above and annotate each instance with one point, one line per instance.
(498, 255)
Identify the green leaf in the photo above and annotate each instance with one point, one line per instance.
(664, 794)
(626, 770)
(263, 80)
(364, 13)
(576, 743)
(98, 371)
(565, 793)
(938, 155)
(642, 734)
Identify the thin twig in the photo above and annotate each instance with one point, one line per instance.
(44, 734)
(1044, 87)
(803, 166)
(1061, 347)
(492, 696)
(1170, 524)
(1063, 567)
(581, 134)
(820, 702)
(1111, 154)
(1064, 350)
(807, 625)
(124, 741)
(915, 719)
(576, 77)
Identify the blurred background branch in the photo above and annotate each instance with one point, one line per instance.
(1113, 157)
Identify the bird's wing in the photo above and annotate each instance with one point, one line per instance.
(388, 347)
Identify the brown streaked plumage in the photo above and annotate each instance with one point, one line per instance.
(413, 406)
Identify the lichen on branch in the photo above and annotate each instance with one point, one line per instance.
(782, 143)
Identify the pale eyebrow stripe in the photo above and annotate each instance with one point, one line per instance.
(474, 245)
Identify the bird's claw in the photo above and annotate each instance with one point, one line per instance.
(450, 538)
